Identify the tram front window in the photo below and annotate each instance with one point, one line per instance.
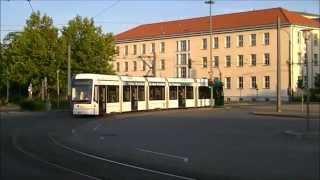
(82, 91)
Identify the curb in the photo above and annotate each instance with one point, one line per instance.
(278, 115)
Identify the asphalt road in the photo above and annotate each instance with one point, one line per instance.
(179, 144)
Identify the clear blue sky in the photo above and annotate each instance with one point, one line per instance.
(117, 16)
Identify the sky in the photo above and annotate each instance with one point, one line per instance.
(120, 15)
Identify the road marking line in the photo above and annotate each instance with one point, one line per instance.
(185, 159)
(118, 163)
(33, 156)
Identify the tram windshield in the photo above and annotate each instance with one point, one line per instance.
(82, 91)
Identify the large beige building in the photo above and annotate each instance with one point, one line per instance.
(244, 51)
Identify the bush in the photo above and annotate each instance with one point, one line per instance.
(63, 104)
(33, 105)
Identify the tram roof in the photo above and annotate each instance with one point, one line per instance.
(155, 79)
(132, 78)
(97, 76)
(180, 80)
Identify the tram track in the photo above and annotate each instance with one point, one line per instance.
(47, 162)
(87, 166)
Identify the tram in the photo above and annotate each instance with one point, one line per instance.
(97, 94)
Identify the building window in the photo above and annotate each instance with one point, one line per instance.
(266, 38)
(315, 39)
(162, 64)
(240, 82)
(240, 60)
(183, 72)
(267, 82)
(266, 59)
(153, 47)
(188, 45)
(163, 47)
(228, 82)
(134, 65)
(126, 49)
(204, 43)
(240, 40)
(216, 61)
(253, 59)
(228, 41)
(118, 50)
(228, 61)
(253, 39)
(134, 49)
(183, 45)
(118, 67)
(315, 59)
(216, 42)
(204, 62)
(143, 48)
(126, 66)
(183, 59)
(299, 37)
(253, 82)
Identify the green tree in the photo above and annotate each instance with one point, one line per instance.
(92, 51)
(31, 53)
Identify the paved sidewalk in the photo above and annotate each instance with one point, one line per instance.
(288, 110)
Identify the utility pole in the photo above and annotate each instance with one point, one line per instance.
(58, 89)
(154, 67)
(278, 66)
(210, 2)
(8, 90)
(69, 72)
(306, 39)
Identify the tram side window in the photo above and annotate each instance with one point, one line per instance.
(141, 93)
(173, 92)
(189, 92)
(126, 93)
(112, 94)
(156, 92)
(204, 93)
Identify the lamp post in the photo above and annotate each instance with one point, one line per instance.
(306, 33)
(210, 2)
(278, 66)
(58, 89)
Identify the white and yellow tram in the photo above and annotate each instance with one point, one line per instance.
(96, 94)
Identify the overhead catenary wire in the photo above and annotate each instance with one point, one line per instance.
(106, 9)
(30, 5)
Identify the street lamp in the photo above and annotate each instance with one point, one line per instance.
(210, 2)
(306, 34)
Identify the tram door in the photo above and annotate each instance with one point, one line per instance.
(181, 97)
(102, 100)
(134, 98)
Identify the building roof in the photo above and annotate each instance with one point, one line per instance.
(248, 19)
